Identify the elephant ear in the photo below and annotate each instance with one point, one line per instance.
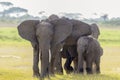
(27, 29)
(62, 29)
(95, 31)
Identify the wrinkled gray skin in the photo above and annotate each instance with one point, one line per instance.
(50, 35)
(70, 52)
(90, 51)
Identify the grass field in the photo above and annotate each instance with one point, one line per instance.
(16, 57)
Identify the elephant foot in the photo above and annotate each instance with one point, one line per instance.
(48, 78)
(37, 75)
(89, 70)
(68, 69)
(98, 71)
(36, 71)
(81, 70)
(44, 73)
(42, 76)
(59, 70)
(51, 72)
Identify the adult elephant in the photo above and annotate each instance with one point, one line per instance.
(50, 35)
(70, 52)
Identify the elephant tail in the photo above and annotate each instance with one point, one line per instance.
(101, 51)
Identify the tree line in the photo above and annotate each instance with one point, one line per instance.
(15, 14)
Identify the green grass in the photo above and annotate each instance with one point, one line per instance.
(109, 37)
(10, 36)
(12, 74)
(16, 57)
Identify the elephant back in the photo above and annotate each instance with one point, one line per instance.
(80, 29)
(27, 30)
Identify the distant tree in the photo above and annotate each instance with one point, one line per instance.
(15, 10)
(105, 17)
(72, 15)
(27, 17)
(6, 4)
(42, 15)
(14, 14)
(41, 12)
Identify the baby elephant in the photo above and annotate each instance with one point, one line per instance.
(89, 51)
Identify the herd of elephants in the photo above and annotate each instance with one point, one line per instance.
(59, 37)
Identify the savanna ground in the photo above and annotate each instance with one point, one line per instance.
(16, 57)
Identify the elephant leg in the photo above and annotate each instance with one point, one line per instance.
(68, 62)
(89, 65)
(35, 60)
(75, 63)
(97, 63)
(58, 64)
(44, 63)
(80, 68)
(54, 51)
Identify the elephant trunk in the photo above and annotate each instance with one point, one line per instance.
(44, 62)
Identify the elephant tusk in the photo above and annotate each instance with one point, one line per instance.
(61, 49)
(49, 55)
